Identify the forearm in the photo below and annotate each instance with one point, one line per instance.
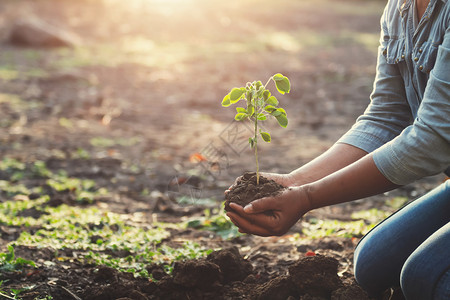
(358, 180)
(334, 159)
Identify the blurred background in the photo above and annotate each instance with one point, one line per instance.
(142, 80)
(128, 93)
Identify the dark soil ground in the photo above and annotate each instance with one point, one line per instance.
(135, 106)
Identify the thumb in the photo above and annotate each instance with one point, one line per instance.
(260, 205)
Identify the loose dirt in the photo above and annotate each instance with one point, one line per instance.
(246, 189)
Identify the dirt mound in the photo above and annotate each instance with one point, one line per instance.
(246, 190)
(225, 274)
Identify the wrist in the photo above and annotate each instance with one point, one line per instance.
(297, 178)
(306, 192)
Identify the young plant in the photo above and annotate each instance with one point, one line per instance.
(10, 263)
(260, 104)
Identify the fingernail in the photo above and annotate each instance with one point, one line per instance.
(248, 207)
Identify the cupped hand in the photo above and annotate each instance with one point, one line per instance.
(271, 215)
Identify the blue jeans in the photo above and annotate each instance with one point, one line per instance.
(410, 249)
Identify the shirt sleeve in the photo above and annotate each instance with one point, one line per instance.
(423, 148)
(388, 112)
(406, 149)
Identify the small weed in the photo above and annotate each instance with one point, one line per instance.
(215, 221)
(82, 153)
(18, 170)
(12, 167)
(85, 190)
(364, 221)
(10, 263)
(39, 170)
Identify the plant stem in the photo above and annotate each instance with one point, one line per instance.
(268, 81)
(255, 140)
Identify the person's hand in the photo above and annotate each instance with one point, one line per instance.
(271, 215)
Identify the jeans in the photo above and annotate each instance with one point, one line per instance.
(410, 249)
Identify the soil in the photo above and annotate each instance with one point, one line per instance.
(223, 274)
(136, 108)
(246, 189)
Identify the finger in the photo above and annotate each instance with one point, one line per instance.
(262, 219)
(266, 219)
(259, 224)
(261, 205)
(236, 207)
(246, 226)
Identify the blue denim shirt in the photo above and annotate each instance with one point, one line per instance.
(407, 123)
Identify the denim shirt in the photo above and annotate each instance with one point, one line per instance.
(407, 123)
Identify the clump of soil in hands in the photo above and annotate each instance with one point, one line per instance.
(246, 190)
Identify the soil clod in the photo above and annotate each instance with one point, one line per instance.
(246, 190)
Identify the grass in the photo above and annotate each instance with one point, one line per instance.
(97, 235)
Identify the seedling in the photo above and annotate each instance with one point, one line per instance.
(10, 263)
(260, 104)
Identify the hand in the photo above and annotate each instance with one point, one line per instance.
(271, 215)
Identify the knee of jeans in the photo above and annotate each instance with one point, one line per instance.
(412, 279)
(361, 264)
(407, 280)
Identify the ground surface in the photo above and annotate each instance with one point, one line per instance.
(117, 151)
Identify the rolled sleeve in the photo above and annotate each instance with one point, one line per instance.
(388, 112)
(423, 149)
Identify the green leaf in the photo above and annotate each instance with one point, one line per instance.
(272, 101)
(281, 110)
(251, 142)
(262, 117)
(278, 77)
(282, 120)
(241, 110)
(259, 102)
(276, 113)
(260, 93)
(282, 83)
(236, 94)
(266, 95)
(23, 262)
(194, 224)
(270, 108)
(266, 137)
(9, 257)
(249, 96)
(226, 101)
(250, 110)
(240, 116)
